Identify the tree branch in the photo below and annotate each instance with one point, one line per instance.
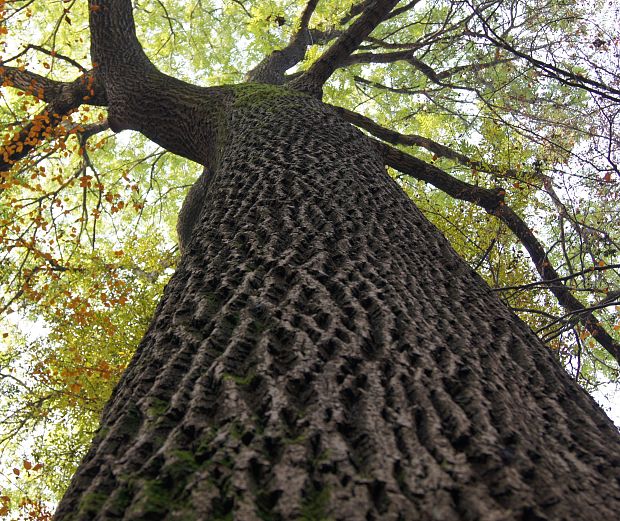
(396, 138)
(314, 78)
(114, 43)
(591, 269)
(62, 98)
(142, 98)
(272, 68)
(562, 75)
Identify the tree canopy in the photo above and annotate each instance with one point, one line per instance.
(499, 119)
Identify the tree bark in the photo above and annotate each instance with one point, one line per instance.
(323, 353)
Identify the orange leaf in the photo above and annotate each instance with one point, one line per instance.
(16, 472)
(27, 465)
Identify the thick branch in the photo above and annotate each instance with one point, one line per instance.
(414, 167)
(397, 138)
(383, 57)
(83, 89)
(492, 202)
(165, 109)
(272, 68)
(314, 78)
(113, 36)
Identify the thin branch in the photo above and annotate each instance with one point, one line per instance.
(397, 138)
(559, 279)
(562, 75)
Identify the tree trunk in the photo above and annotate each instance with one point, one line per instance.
(323, 353)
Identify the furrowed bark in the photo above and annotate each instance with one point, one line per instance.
(323, 353)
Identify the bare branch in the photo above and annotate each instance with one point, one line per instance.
(592, 269)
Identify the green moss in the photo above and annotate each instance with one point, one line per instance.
(120, 499)
(314, 506)
(297, 440)
(204, 445)
(186, 457)
(236, 430)
(259, 326)
(261, 94)
(323, 456)
(240, 380)
(156, 408)
(227, 462)
(155, 499)
(179, 469)
(91, 504)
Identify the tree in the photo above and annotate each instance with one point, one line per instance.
(321, 351)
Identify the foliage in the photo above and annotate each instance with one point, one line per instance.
(87, 217)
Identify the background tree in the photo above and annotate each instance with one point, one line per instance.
(492, 114)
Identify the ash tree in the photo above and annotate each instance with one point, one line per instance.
(321, 351)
